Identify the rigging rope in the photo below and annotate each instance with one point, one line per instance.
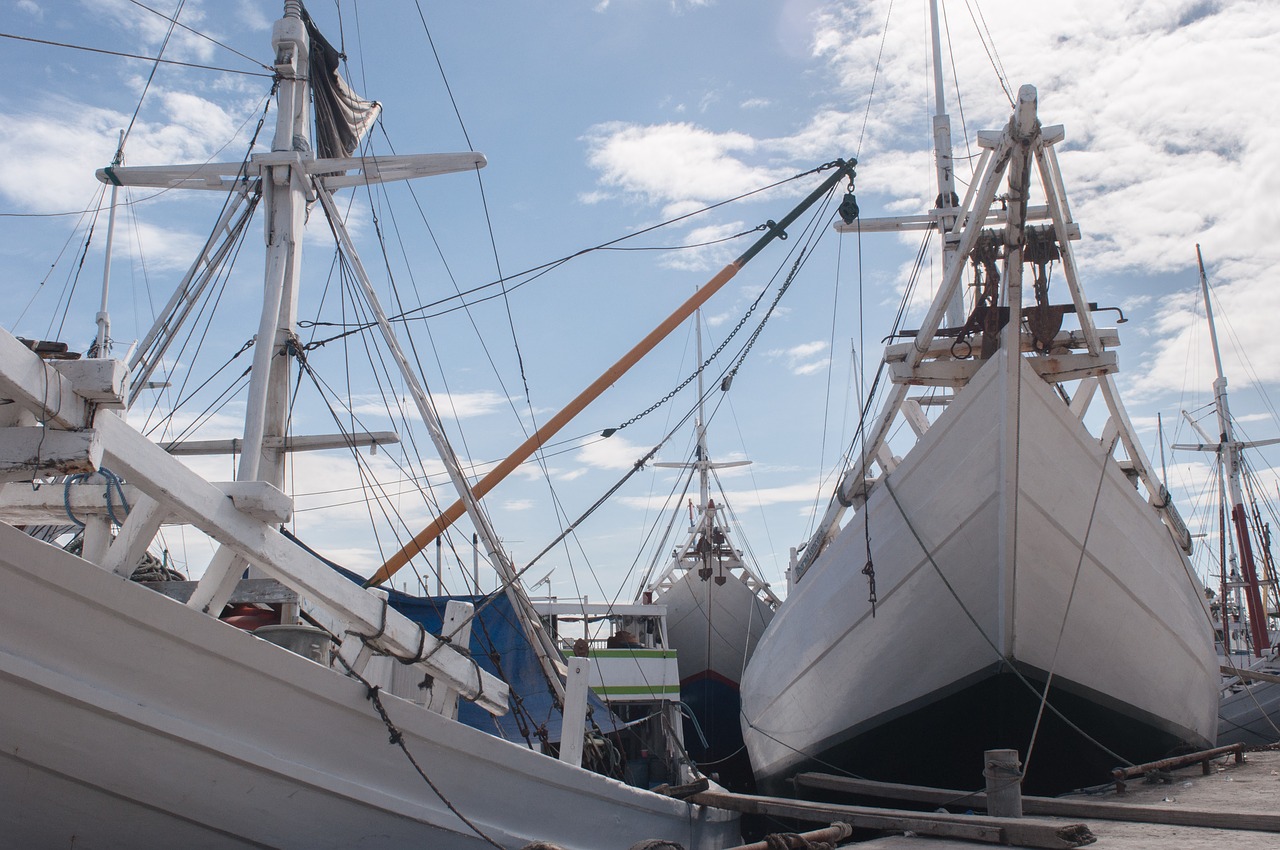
(155, 59)
(205, 36)
(1062, 628)
(396, 737)
(973, 620)
(164, 45)
(534, 273)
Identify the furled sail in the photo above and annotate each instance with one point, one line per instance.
(342, 116)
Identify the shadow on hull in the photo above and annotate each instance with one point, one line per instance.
(998, 712)
(716, 705)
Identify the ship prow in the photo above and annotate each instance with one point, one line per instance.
(1009, 549)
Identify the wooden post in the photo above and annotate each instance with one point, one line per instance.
(573, 728)
(1004, 783)
(457, 628)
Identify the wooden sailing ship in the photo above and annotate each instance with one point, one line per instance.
(135, 719)
(1015, 578)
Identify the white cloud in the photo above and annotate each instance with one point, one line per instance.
(463, 405)
(786, 494)
(804, 359)
(1166, 142)
(616, 452)
(670, 163)
(152, 29)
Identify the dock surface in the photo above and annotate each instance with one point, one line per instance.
(1250, 788)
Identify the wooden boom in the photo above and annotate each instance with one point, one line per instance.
(610, 376)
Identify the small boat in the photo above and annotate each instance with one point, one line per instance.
(635, 675)
(1015, 577)
(133, 718)
(717, 607)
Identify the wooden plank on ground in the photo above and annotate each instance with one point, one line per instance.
(1255, 675)
(1021, 832)
(1053, 806)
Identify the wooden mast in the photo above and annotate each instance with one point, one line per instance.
(611, 375)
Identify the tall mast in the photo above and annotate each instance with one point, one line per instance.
(103, 340)
(704, 462)
(284, 185)
(944, 166)
(1229, 452)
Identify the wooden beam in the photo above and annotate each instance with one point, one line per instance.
(1057, 369)
(264, 591)
(456, 628)
(1022, 832)
(206, 507)
(28, 452)
(145, 517)
(1052, 806)
(37, 386)
(309, 443)
(1255, 675)
(101, 381)
(929, 221)
(830, 837)
(956, 373)
(46, 504)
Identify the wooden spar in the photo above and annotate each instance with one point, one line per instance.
(611, 375)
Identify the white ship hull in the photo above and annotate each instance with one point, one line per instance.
(715, 626)
(130, 720)
(1003, 489)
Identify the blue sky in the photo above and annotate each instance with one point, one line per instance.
(601, 119)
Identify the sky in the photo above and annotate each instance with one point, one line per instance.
(601, 120)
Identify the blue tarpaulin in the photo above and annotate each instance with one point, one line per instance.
(499, 646)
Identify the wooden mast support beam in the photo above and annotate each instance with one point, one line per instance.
(182, 492)
(211, 510)
(929, 221)
(309, 443)
(29, 452)
(37, 386)
(546, 654)
(225, 176)
(854, 480)
(610, 376)
(831, 836)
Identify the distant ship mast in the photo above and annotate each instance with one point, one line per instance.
(1229, 449)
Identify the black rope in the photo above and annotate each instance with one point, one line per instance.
(146, 87)
(396, 737)
(535, 272)
(801, 255)
(205, 36)
(132, 55)
(969, 615)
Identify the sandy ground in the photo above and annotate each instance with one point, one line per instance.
(1252, 787)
